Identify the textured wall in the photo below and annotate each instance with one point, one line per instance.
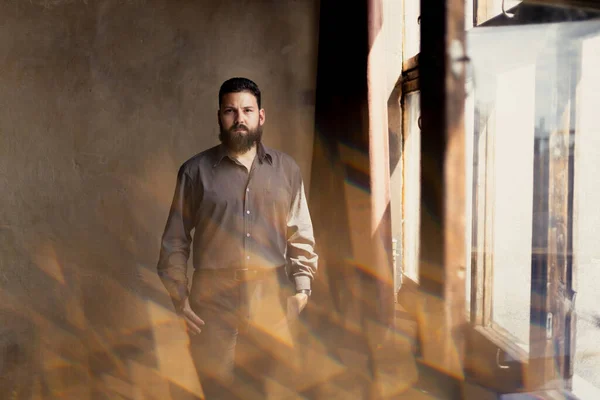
(100, 101)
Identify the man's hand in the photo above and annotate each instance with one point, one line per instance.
(295, 305)
(192, 320)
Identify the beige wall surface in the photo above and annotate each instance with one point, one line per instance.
(100, 102)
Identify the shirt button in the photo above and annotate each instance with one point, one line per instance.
(247, 189)
(247, 211)
(247, 235)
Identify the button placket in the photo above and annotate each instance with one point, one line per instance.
(248, 215)
(247, 224)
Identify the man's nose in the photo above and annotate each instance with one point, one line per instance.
(239, 117)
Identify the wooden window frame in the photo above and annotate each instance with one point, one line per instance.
(482, 262)
(407, 83)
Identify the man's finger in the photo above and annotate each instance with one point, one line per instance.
(189, 313)
(192, 327)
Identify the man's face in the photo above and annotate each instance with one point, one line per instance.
(240, 121)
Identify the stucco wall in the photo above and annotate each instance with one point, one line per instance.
(100, 101)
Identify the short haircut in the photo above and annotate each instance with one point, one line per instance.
(236, 85)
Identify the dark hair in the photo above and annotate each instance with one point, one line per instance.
(236, 85)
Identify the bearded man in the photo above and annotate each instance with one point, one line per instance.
(253, 244)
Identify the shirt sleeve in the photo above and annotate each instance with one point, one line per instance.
(301, 255)
(176, 240)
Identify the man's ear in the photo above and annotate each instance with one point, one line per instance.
(261, 116)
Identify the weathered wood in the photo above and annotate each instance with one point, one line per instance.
(411, 63)
(483, 227)
(409, 86)
(442, 235)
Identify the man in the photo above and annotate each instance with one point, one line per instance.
(253, 246)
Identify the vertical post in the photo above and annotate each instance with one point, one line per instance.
(443, 170)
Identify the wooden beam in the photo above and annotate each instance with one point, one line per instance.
(443, 171)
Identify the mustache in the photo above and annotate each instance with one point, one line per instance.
(239, 126)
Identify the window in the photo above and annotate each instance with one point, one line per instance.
(532, 157)
(535, 149)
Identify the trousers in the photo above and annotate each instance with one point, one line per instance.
(246, 347)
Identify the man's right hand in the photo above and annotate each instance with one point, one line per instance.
(192, 320)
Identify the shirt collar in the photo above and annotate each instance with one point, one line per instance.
(263, 153)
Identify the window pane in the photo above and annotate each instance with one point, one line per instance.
(587, 223)
(412, 28)
(537, 92)
(513, 198)
(469, 159)
(504, 83)
(412, 170)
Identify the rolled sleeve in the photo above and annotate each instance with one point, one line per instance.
(301, 256)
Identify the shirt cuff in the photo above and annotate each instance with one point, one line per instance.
(302, 282)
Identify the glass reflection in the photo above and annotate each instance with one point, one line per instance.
(536, 188)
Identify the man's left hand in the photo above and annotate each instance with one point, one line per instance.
(295, 305)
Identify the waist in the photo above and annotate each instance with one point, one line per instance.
(242, 274)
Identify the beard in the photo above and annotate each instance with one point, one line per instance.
(242, 140)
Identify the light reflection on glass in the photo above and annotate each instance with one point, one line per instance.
(536, 90)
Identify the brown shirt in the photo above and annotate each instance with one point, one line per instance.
(240, 219)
